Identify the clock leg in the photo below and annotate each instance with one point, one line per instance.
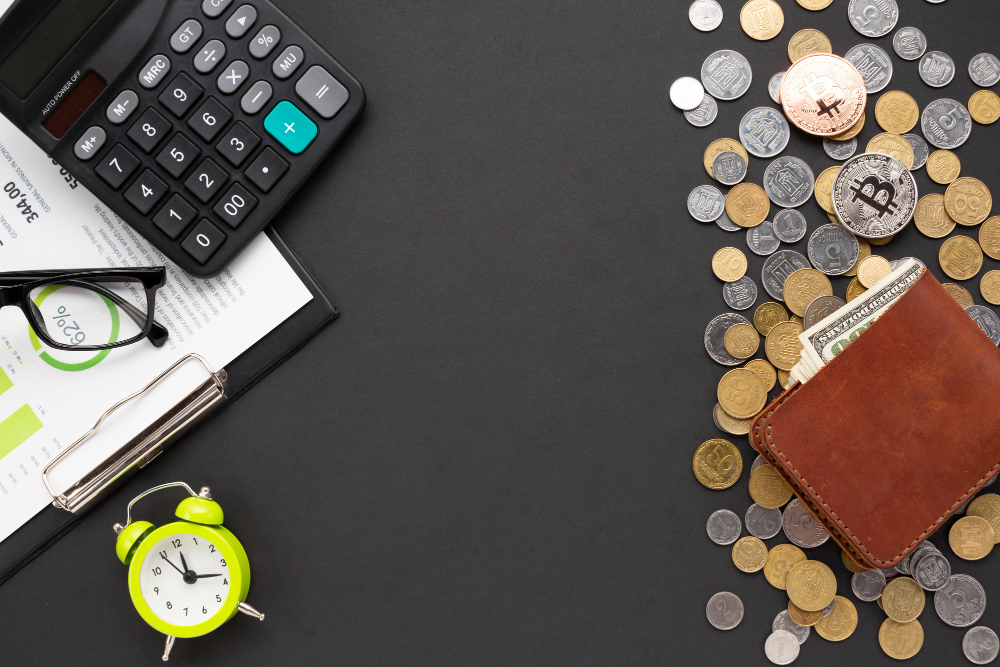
(166, 649)
(250, 611)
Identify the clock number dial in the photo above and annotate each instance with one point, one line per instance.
(184, 580)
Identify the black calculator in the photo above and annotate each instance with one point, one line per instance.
(194, 120)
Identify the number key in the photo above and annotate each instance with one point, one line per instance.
(149, 130)
(175, 217)
(209, 119)
(146, 192)
(181, 95)
(178, 155)
(238, 144)
(235, 205)
(205, 181)
(117, 166)
(203, 241)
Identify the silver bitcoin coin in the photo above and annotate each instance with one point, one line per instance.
(762, 522)
(937, 69)
(729, 168)
(874, 65)
(724, 610)
(801, 527)
(867, 586)
(840, 150)
(833, 250)
(776, 270)
(741, 294)
(909, 43)
(724, 527)
(821, 308)
(761, 239)
(728, 225)
(987, 321)
(757, 462)
(782, 647)
(764, 132)
(980, 645)
(961, 602)
(789, 182)
(715, 335)
(686, 93)
(873, 18)
(920, 150)
(774, 87)
(946, 123)
(789, 225)
(726, 75)
(931, 571)
(874, 195)
(704, 114)
(705, 15)
(706, 203)
(984, 69)
(784, 622)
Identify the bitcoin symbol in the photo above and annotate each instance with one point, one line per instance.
(825, 94)
(872, 199)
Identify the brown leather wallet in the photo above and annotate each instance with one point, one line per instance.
(896, 432)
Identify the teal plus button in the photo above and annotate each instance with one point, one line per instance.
(290, 126)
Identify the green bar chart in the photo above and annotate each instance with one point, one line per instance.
(18, 426)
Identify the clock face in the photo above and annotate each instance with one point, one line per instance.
(185, 579)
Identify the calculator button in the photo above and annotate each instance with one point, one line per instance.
(90, 143)
(206, 180)
(174, 217)
(124, 105)
(185, 36)
(146, 192)
(241, 21)
(209, 119)
(238, 144)
(209, 56)
(118, 165)
(264, 42)
(149, 130)
(290, 126)
(178, 155)
(203, 241)
(233, 77)
(181, 95)
(255, 98)
(235, 205)
(285, 64)
(213, 8)
(321, 91)
(266, 170)
(156, 69)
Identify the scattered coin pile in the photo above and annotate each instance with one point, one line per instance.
(868, 199)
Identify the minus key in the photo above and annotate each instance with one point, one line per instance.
(255, 98)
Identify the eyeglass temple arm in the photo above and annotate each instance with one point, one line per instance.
(157, 334)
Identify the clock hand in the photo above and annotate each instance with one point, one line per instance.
(171, 564)
(183, 564)
(202, 576)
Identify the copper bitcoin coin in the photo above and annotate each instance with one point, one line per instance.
(823, 95)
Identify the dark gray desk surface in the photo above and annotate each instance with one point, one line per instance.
(487, 460)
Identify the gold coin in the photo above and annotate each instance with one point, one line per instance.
(989, 237)
(878, 600)
(984, 107)
(782, 345)
(749, 554)
(960, 257)
(892, 145)
(783, 377)
(968, 201)
(864, 253)
(747, 205)
(897, 112)
(731, 424)
(768, 489)
(987, 506)
(814, 5)
(762, 19)
(741, 393)
(872, 270)
(806, 42)
(780, 560)
(767, 315)
(854, 131)
(823, 190)
(855, 289)
(720, 146)
(943, 166)
(796, 319)
(717, 464)
(765, 371)
(804, 285)
(960, 294)
(729, 265)
(741, 341)
(851, 564)
(903, 599)
(881, 242)
(811, 585)
(990, 287)
(840, 623)
(803, 618)
(931, 218)
(971, 537)
(900, 640)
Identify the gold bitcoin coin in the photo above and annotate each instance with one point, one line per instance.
(989, 237)
(872, 270)
(855, 289)
(900, 640)
(903, 599)
(717, 464)
(851, 564)
(971, 537)
(731, 424)
(892, 145)
(823, 190)
(897, 112)
(720, 146)
(814, 5)
(780, 560)
(804, 618)
(741, 341)
(990, 287)
(864, 253)
(741, 393)
(840, 623)
(765, 371)
(987, 506)
(747, 205)
(782, 345)
(783, 377)
(767, 315)
(943, 167)
(931, 218)
(749, 554)
(960, 294)
(984, 107)
(968, 201)
(854, 131)
(762, 19)
(802, 287)
(729, 265)
(960, 257)
(806, 42)
(811, 585)
(768, 489)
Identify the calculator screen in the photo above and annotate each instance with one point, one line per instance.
(48, 42)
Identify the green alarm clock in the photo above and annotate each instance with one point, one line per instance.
(188, 577)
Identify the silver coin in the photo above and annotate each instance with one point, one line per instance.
(764, 132)
(774, 87)
(914, 556)
(964, 506)
(762, 522)
(741, 294)
(984, 70)
(789, 182)
(873, 18)
(789, 225)
(761, 239)
(686, 93)
(757, 462)
(784, 622)
(909, 43)
(725, 223)
(867, 586)
(729, 168)
(724, 610)
(821, 308)
(874, 65)
(828, 608)
(833, 250)
(991, 480)
(726, 75)
(937, 69)
(706, 203)
(777, 268)
(705, 113)
(874, 195)
(782, 647)
(840, 150)
(715, 334)
(961, 602)
(932, 571)
(801, 527)
(987, 321)
(724, 527)
(920, 150)
(715, 419)
(980, 645)
(705, 15)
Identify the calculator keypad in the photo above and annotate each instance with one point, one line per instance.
(241, 21)
(149, 130)
(233, 77)
(155, 71)
(237, 145)
(175, 216)
(287, 62)
(264, 42)
(206, 180)
(204, 241)
(213, 8)
(117, 167)
(235, 205)
(186, 36)
(123, 107)
(321, 91)
(146, 192)
(181, 95)
(209, 119)
(266, 170)
(179, 154)
(255, 98)
(210, 56)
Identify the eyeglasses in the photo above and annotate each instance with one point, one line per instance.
(82, 309)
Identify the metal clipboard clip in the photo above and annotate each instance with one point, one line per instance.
(144, 447)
